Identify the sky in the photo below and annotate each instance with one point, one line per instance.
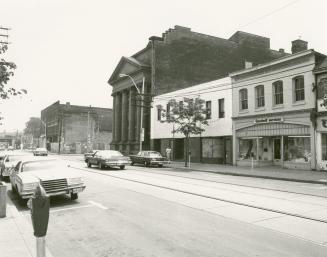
(67, 49)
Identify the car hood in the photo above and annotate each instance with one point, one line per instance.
(35, 176)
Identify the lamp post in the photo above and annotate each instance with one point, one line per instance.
(141, 94)
(45, 133)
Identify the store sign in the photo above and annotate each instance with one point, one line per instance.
(268, 120)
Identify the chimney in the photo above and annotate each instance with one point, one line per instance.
(281, 50)
(299, 45)
(248, 65)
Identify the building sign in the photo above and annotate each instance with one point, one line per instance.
(268, 120)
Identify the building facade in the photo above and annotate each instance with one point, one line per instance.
(77, 129)
(321, 122)
(180, 58)
(274, 108)
(214, 145)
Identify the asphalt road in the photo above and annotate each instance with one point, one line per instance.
(125, 213)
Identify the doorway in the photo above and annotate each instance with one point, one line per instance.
(179, 149)
(277, 151)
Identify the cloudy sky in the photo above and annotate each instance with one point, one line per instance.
(67, 49)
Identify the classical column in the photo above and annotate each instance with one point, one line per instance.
(131, 116)
(138, 119)
(113, 119)
(124, 120)
(118, 117)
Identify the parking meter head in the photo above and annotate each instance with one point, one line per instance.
(40, 212)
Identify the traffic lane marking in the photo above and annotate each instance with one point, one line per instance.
(99, 205)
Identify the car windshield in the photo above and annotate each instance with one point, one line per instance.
(110, 154)
(42, 165)
(40, 149)
(155, 154)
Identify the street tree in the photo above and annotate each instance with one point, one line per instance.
(34, 127)
(6, 72)
(188, 117)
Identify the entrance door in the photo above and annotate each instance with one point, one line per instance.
(277, 151)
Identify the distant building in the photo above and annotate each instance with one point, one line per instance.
(180, 58)
(214, 145)
(274, 107)
(77, 129)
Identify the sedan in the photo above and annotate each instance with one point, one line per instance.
(40, 151)
(55, 176)
(108, 158)
(149, 158)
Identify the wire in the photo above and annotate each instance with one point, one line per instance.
(270, 13)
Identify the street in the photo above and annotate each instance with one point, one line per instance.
(161, 212)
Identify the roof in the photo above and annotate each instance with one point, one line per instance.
(321, 66)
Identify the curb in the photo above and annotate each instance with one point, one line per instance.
(308, 181)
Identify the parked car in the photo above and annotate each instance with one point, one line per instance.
(54, 175)
(11, 148)
(89, 154)
(40, 151)
(148, 158)
(108, 158)
(4, 171)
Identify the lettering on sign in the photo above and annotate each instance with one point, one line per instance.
(267, 120)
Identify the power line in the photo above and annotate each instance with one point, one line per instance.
(270, 13)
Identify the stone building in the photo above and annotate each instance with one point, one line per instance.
(178, 59)
(77, 129)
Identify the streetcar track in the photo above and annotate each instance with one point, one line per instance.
(207, 196)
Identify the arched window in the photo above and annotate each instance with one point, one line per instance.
(243, 99)
(298, 86)
(278, 92)
(259, 96)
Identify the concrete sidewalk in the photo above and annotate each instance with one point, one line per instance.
(305, 176)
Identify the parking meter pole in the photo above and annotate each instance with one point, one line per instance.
(40, 247)
(3, 199)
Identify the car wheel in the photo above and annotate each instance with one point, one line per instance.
(160, 165)
(89, 164)
(122, 167)
(73, 196)
(100, 166)
(132, 163)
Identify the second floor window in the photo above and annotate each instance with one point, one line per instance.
(208, 108)
(259, 96)
(221, 108)
(243, 99)
(278, 92)
(159, 114)
(298, 83)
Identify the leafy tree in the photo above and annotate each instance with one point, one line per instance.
(7, 71)
(34, 127)
(188, 116)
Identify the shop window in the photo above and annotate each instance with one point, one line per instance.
(221, 108)
(259, 96)
(298, 86)
(324, 146)
(208, 108)
(278, 92)
(247, 148)
(297, 149)
(243, 99)
(213, 148)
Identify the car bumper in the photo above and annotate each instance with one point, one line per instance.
(78, 189)
(118, 163)
(159, 162)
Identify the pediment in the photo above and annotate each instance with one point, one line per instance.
(126, 65)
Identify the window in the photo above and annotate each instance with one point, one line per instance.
(244, 99)
(278, 92)
(221, 108)
(247, 148)
(159, 113)
(259, 96)
(298, 83)
(297, 148)
(324, 146)
(180, 105)
(168, 112)
(208, 108)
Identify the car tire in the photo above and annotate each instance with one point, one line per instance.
(160, 165)
(147, 164)
(100, 166)
(73, 196)
(122, 167)
(89, 165)
(132, 163)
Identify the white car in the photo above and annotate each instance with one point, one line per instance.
(55, 176)
(40, 151)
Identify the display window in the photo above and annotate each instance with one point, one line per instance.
(247, 148)
(297, 149)
(324, 146)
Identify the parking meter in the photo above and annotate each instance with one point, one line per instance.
(40, 206)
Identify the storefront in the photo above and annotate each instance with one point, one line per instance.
(322, 143)
(275, 141)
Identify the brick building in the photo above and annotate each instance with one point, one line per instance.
(178, 59)
(77, 129)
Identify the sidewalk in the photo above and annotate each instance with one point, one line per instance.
(305, 176)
